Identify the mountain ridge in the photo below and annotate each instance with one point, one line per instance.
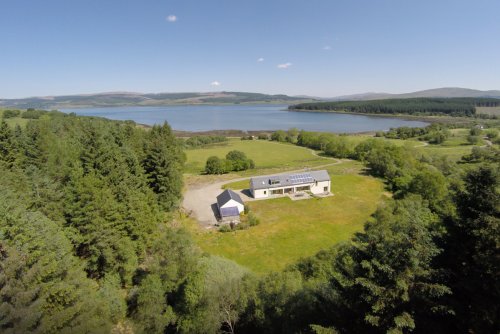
(443, 92)
(123, 99)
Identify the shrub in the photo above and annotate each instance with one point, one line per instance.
(252, 219)
(198, 141)
(33, 114)
(475, 131)
(279, 136)
(11, 113)
(225, 228)
(473, 140)
(215, 165)
(436, 137)
(263, 136)
(242, 226)
(239, 161)
(492, 133)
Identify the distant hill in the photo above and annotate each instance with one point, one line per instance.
(118, 99)
(446, 92)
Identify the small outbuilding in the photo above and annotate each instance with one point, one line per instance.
(230, 204)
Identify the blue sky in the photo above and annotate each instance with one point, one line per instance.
(314, 47)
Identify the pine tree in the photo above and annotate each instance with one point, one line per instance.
(163, 163)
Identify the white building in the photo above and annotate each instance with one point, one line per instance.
(317, 182)
(229, 204)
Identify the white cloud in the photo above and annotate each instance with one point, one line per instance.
(215, 83)
(285, 65)
(327, 47)
(171, 18)
(260, 60)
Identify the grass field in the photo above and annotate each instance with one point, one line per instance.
(356, 139)
(290, 230)
(488, 110)
(266, 155)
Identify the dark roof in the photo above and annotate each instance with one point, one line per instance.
(288, 180)
(228, 195)
(229, 212)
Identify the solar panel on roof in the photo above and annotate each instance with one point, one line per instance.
(301, 178)
(229, 212)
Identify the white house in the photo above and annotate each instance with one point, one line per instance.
(230, 204)
(317, 182)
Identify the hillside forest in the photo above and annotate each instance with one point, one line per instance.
(90, 243)
(458, 106)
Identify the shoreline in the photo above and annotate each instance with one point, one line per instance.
(421, 118)
(241, 133)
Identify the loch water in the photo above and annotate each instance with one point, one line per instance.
(246, 117)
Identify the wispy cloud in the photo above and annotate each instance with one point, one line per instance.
(260, 60)
(284, 66)
(215, 83)
(171, 18)
(327, 47)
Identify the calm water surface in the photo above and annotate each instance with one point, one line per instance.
(246, 117)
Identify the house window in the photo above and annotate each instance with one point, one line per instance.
(265, 192)
(325, 189)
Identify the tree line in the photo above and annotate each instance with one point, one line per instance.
(412, 106)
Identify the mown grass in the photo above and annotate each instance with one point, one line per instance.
(267, 155)
(290, 230)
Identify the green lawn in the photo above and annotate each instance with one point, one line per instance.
(290, 230)
(266, 155)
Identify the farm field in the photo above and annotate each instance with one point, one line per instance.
(267, 155)
(290, 230)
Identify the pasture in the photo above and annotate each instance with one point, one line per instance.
(267, 155)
